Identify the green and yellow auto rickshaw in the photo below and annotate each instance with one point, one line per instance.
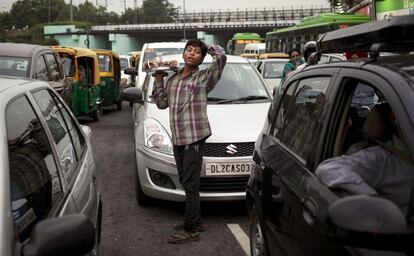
(110, 73)
(82, 70)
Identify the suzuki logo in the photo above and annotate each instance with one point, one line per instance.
(231, 149)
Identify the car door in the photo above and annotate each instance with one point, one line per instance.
(288, 151)
(76, 158)
(38, 190)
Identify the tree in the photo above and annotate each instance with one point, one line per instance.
(154, 11)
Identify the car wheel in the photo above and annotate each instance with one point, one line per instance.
(257, 241)
(97, 114)
(142, 198)
(119, 105)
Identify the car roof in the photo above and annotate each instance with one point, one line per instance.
(396, 63)
(9, 82)
(207, 59)
(20, 50)
(166, 45)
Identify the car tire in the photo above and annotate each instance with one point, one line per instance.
(119, 105)
(97, 114)
(257, 241)
(142, 198)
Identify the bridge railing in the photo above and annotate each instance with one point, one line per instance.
(194, 25)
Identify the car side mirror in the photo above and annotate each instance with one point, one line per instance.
(132, 95)
(67, 235)
(130, 71)
(370, 222)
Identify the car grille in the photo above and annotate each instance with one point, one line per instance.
(223, 184)
(219, 149)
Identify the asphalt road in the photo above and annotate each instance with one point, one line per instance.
(129, 229)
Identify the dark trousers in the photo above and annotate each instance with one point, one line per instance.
(189, 159)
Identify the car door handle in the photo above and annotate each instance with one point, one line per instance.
(310, 210)
(277, 198)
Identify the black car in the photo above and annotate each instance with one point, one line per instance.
(333, 112)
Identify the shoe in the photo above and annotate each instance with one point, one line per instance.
(201, 228)
(183, 236)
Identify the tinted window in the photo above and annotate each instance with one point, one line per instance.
(34, 181)
(54, 73)
(14, 66)
(60, 132)
(299, 115)
(41, 70)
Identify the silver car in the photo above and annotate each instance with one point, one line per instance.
(237, 108)
(48, 170)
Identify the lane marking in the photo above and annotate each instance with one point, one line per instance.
(241, 237)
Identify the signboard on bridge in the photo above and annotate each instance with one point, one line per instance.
(388, 8)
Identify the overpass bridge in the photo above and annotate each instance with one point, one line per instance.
(211, 26)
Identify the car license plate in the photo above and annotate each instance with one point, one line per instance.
(225, 168)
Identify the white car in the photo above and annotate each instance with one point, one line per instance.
(271, 71)
(237, 108)
(50, 197)
(125, 63)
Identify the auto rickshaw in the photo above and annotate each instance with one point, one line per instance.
(110, 73)
(82, 70)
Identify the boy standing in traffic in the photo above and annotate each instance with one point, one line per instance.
(186, 96)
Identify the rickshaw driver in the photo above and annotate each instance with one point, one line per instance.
(186, 97)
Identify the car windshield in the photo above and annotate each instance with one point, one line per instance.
(239, 82)
(273, 69)
(124, 63)
(14, 66)
(151, 53)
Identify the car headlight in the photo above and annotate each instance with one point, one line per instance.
(156, 137)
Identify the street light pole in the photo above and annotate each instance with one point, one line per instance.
(184, 19)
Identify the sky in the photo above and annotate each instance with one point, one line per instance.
(119, 5)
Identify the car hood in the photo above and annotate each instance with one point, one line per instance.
(229, 122)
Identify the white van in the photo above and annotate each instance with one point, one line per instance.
(152, 50)
(255, 48)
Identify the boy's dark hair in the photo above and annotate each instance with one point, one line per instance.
(197, 43)
(291, 51)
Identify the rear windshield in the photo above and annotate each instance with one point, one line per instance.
(238, 80)
(273, 69)
(151, 53)
(14, 66)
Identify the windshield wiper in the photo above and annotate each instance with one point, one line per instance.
(214, 99)
(245, 99)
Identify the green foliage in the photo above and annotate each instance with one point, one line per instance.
(158, 11)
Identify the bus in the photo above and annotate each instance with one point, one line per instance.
(235, 46)
(309, 29)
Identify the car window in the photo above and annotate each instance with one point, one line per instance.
(51, 63)
(124, 63)
(273, 69)
(60, 133)
(41, 70)
(298, 117)
(34, 181)
(75, 134)
(68, 64)
(14, 66)
(105, 64)
(151, 53)
(237, 81)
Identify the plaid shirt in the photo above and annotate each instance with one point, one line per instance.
(187, 99)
